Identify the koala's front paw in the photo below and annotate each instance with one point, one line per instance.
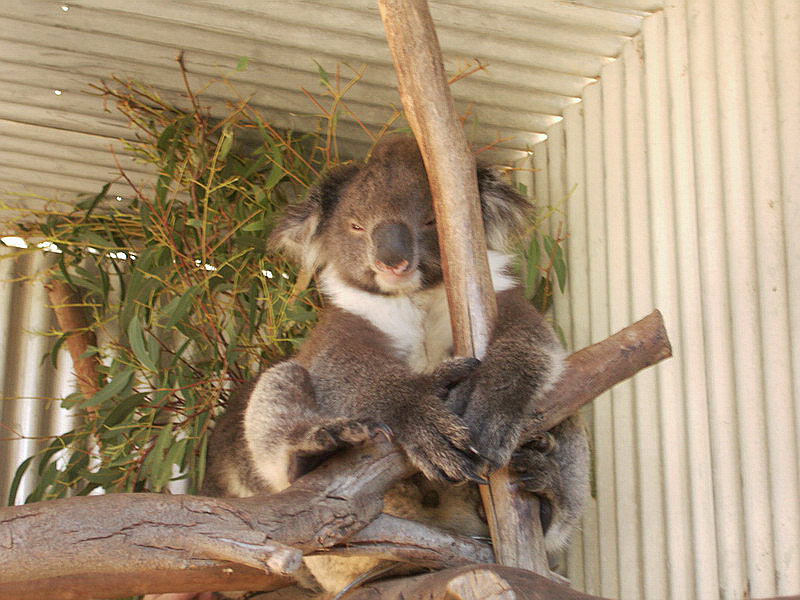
(311, 445)
(438, 443)
(495, 433)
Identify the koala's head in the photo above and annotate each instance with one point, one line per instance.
(374, 224)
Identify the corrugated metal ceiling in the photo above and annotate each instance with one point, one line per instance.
(55, 134)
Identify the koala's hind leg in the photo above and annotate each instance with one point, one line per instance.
(286, 431)
(555, 467)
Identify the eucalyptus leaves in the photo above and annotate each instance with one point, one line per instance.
(180, 290)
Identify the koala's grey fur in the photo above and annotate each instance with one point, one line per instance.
(381, 357)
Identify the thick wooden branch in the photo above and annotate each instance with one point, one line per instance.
(596, 368)
(513, 518)
(476, 582)
(125, 544)
(408, 541)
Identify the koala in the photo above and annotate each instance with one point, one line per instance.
(380, 359)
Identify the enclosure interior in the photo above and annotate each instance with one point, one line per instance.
(663, 137)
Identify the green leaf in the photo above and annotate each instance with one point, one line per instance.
(179, 352)
(549, 243)
(177, 311)
(298, 312)
(560, 267)
(242, 64)
(123, 409)
(90, 351)
(140, 350)
(62, 442)
(532, 274)
(174, 457)
(96, 240)
(197, 484)
(252, 306)
(153, 464)
(18, 475)
(56, 347)
(72, 400)
(323, 74)
(165, 139)
(255, 226)
(277, 173)
(46, 479)
(90, 203)
(119, 383)
(225, 143)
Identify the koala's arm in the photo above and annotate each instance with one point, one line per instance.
(523, 361)
(357, 374)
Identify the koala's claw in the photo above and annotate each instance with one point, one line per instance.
(384, 430)
(478, 479)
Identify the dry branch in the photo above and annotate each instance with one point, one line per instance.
(596, 368)
(140, 543)
(71, 316)
(124, 544)
(476, 582)
(513, 517)
(392, 538)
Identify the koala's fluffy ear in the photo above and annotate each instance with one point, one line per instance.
(505, 211)
(297, 232)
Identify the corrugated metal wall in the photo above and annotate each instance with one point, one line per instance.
(679, 178)
(28, 382)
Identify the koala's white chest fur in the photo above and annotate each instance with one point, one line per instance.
(418, 324)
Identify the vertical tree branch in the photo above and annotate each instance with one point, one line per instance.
(72, 320)
(513, 520)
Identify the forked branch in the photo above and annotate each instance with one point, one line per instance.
(126, 544)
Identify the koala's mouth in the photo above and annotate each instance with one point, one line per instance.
(398, 278)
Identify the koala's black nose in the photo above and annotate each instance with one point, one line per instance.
(393, 244)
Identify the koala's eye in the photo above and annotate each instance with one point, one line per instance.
(356, 227)
(430, 222)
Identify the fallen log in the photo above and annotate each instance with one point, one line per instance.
(125, 544)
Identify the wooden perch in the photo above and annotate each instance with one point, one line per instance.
(476, 582)
(125, 544)
(513, 516)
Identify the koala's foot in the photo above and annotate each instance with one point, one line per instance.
(311, 445)
(539, 473)
(555, 467)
